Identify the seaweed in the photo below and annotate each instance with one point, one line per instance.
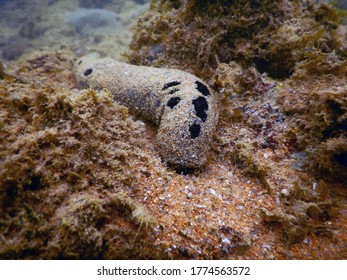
(303, 211)
(199, 35)
(67, 164)
(315, 102)
(92, 227)
(244, 154)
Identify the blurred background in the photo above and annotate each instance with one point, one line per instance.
(82, 26)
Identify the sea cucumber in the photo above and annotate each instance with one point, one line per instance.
(183, 106)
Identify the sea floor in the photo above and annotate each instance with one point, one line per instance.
(67, 25)
(80, 176)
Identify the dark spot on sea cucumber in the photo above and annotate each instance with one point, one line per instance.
(79, 63)
(194, 131)
(174, 90)
(88, 72)
(173, 102)
(171, 84)
(202, 88)
(201, 106)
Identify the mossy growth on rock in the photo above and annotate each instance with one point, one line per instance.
(315, 101)
(67, 162)
(198, 35)
(302, 211)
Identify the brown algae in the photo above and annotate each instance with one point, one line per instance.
(81, 179)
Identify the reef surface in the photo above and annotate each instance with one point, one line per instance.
(80, 176)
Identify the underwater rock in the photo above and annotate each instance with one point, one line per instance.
(53, 141)
(2, 71)
(30, 30)
(341, 4)
(93, 3)
(14, 50)
(142, 1)
(271, 35)
(86, 21)
(180, 103)
(51, 2)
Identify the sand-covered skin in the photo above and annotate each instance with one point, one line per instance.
(180, 103)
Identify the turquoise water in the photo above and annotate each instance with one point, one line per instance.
(80, 26)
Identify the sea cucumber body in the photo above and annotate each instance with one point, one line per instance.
(183, 107)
